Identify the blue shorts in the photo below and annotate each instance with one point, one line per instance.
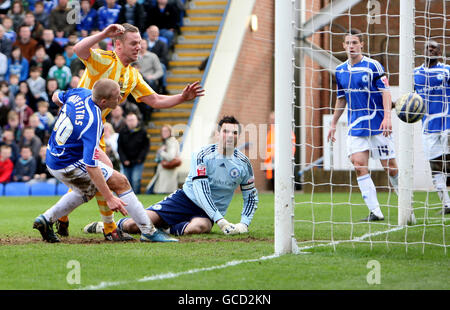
(177, 208)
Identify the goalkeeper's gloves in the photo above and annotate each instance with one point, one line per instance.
(227, 227)
(241, 228)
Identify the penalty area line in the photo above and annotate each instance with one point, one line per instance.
(171, 275)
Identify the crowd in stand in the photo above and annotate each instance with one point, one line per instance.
(37, 59)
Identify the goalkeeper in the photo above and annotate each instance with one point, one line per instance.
(215, 172)
(432, 83)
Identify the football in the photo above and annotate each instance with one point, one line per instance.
(410, 108)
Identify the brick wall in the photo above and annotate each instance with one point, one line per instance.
(250, 96)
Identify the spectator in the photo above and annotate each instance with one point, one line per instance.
(69, 54)
(17, 14)
(166, 17)
(165, 179)
(46, 119)
(108, 14)
(42, 174)
(14, 125)
(52, 48)
(52, 86)
(59, 20)
(38, 128)
(6, 103)
(26, 43)
(17, 65)
(159, 47)
(149, 66)
(28, 5)
(10, 34)
(25, 167)
(5, 43)
(40, 14)
(36, 27)
(13, 85)
(89, 19)
(111, 137)
(133, 13)
(3, 66)
(29, 99)
(23, 111)
(37, 85)
(9, 140)
(74, 81)
(6, 164)
(133, 146)
(29, 139)
(60, 72)
(41, 61)
(116, 119)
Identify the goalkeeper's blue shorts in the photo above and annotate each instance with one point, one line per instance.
(177, 210)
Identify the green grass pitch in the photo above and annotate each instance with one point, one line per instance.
(217, 262)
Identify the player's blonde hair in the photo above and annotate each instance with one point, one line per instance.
(104, 89)
(128, 28)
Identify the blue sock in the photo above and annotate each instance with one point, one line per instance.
(178, 229)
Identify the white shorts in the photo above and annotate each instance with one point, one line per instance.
(435, 144)
(77, 178)
(379, 146)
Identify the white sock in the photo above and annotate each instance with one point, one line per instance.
(394, 182)
(369, 194)
(64, 206)
(137, 212)
(440, 184)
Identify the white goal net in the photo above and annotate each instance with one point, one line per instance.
(318, 199)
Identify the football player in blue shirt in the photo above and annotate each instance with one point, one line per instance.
(215, 172)
(363, 85)
(74, 158)
(432, 83)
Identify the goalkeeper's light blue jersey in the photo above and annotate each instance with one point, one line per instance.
(77, 131)
(433, 85)
(362, 85)
(213, 178)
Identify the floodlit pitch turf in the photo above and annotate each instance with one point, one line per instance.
(215, 261)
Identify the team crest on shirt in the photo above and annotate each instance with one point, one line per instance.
(440, 77)
(157, 207)
(234, 173)
(201, 170)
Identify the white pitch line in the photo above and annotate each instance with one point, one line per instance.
(171, 275)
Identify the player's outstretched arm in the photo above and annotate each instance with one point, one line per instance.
(190, 92)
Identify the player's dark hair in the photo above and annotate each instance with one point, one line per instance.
(355, 32)
(228, 119)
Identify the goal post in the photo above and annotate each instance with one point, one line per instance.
(284, 102)
(406, 134)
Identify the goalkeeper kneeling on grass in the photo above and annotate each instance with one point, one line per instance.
(215, 172)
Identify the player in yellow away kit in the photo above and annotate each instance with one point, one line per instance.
(116, 65)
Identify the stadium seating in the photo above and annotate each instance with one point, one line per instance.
(61, 189)
(17, 189)
(43, 189)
